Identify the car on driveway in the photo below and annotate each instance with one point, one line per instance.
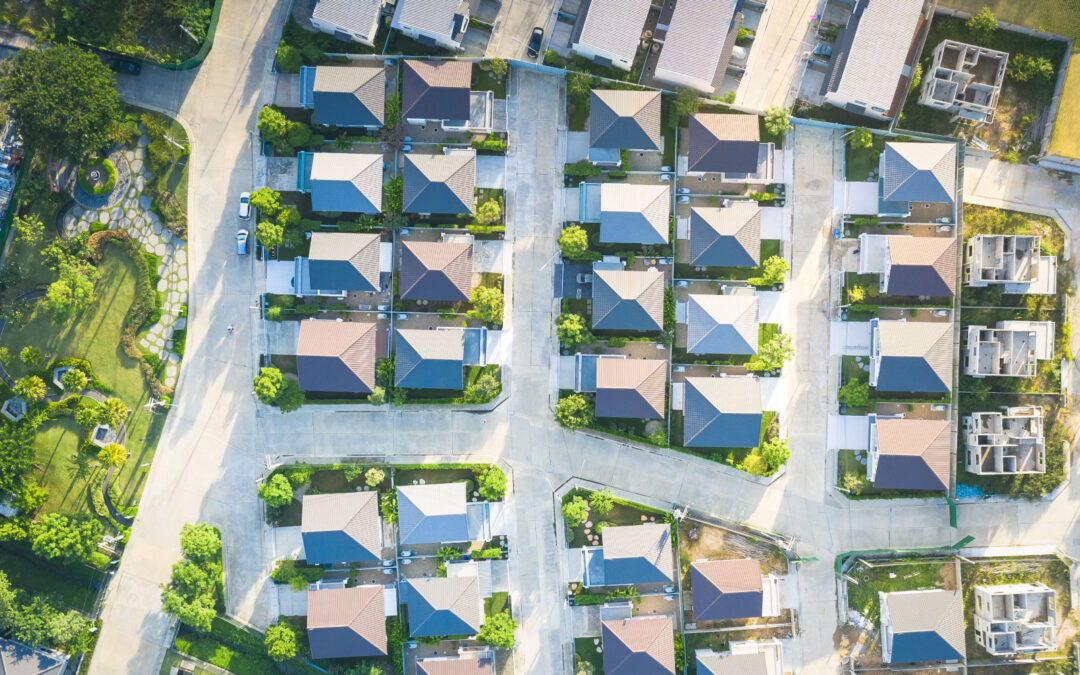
(534, 42)
(242, 242)
(245, 204)
(120, 65)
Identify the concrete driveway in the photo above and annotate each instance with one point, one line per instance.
(849, 337)
(848, 432)
(775, 63)
(491, 171)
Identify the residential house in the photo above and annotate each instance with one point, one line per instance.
(349, 622)
(874, 57)
(19, 659)
(641, 645)
(450, 605)
(726, 237)
(623, 119)
(919, 626)
(923, 266)
(440, 92)
(911, 356)
(345, 96)
(339, 263)
(909, 454)
(632, 213)
(630, 555)
(732, 589)
(435, 23)
(627, 300)
(1005, 443)
(697, 44)
(964, 79)
(720, 324)
(440, 184)
(721, 412)
(433, 514)
(916, 172)
(727, 144)
(609, 31)
(1016, 618)
(466, 663)
(348, 20)
(631, 388)
(1012, 260)
(437, 270)
(429, 359)
(338, 356)
(750, 657)
(341, 528)
(1012, 349)
(345, 182)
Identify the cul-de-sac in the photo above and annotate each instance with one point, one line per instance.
(539, 337)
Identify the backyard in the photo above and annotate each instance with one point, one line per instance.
(893, 575)
(622, 513)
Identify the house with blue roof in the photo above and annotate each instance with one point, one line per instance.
(344, 182)
(719, 324)
(721, 412)
(728, 236)
(630, 555)
(922, 626)
(338, 263)
(450, 605)
(627, 300)
(429, 359)
(911, 356)
(915, 172)
(443, 183)
(433, 514)
(341, 528)
(351, 96)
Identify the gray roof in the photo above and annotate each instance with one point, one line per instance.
(631, 388)
(750, 663)
(726, 237)
(444, 606)
(19, 659)
(346, 181)
(353, 16)
(916, 356)
(337, 356)
(343, 261)
(614, 26)
(922, 266)
(473, 664)
(925, 625)
(634, 213)
(341, 527)
(913, 454)
(643, 645)
(722, 412)
(346, 622)
(349, 96)
(628, 300)
(695, 39)
(726, 589)
(429, 359)
(637, 554)
(432, 514)
(436, 270)
(722, 324)
(440, 183)
(435, 90)
(624, 118)
(919, 172)
(723, 142)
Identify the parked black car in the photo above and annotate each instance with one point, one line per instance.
(534, 42)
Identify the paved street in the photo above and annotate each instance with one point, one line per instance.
(515, 24)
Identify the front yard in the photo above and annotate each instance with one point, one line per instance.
(622, 512)
(885, 576)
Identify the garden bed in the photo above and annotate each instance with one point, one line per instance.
(622, 512)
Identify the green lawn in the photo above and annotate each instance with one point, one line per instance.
(859, 163)
(621, 513)
(496, 603)
(585, 650)
(1065, 139)
(863, 596)
(73, 584)
(485, 80)
(66, 471)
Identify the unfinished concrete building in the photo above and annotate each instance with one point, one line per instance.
(1012, 349)
(965, 80)
(1005, 443)
(1012, 260)
(1016, 618)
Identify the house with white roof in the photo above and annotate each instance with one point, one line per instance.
(609, 31)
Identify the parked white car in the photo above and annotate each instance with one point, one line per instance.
(242, 242)
(245, 205)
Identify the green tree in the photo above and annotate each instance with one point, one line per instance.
(281, 641)
(578, 85)
(572, 331)
(754, 464)
(30, 388)
(374, 476)
(276, 492)
(916, 78)
(113, 454)
(484, 389)
(289, 59)
(5, 356)
(393, 195)
(489, 213)
(266, 201)
(74, 380)
(58, 537)
(775, 452)
(854, 483)
(388, 507)
(29, 228)
(778, 121)
(575, 511)
(773, 354)
(855, 393)
(272, 125)
(112, 412)
(861, 139)
(290, 397)
(686, 103)
(488, 304)
(393, 110)
(268, 384)
(270, 234)
(73, 291)
(773, 271)
(62, 99)
(492, 484)
(31, 356)
(191, 593)
(499, 67)
(602, 501)
(574, 411)
(200, 542)
(377, 396)
(498, 631)
(983, 23)
(573, 241)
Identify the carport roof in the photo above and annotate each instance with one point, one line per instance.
(723, 143)
(722, 324)
(349, 182)
(913, 454)
(440, 183)
(722, 412)
(631, 388)
(750, 663)
(916, 356)
(643, 645)
(633, 213)
(444, 606)
(343, 261)
(919, 172)
(342, 527)
(726, 589)
(346, 622)
(429, 359)
(922, 266)
(436, 270)
(349, 96)
(726, 237)
(432, 514)
(435, 90)
(628, 300)
(337, 356)
(624, 118)
(925, 625)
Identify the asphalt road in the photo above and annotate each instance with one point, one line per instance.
(514, 26)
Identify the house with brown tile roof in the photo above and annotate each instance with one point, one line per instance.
(732, 589)
(337, 356)
(723, 143)
(435, 90)
(436, 270)
(339, 262)
(341, 528)
(624, 119)
(728, 236)
(631, 388)
(917, 266)
(909, 454)
(346, 622)
(642, 645)
(470, 663)
(443, 183)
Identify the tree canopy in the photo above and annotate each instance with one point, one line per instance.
(113, 454)
(498, 631)
(574, 411)
(200, 543)
(72, 539)
(573, 241)
(277, 491)
(62, 99)
(281, 640)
